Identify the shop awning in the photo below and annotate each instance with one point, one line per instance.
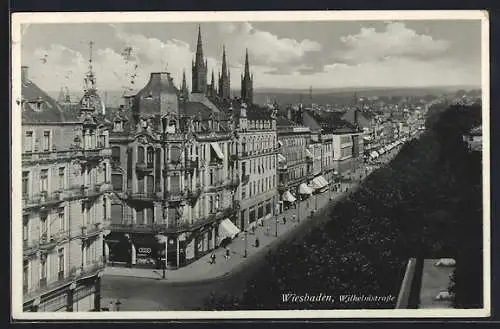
(304, 189)
(316, 184)
(227, 229)
(281, 158)
(217, 150)
(309, 154)
(381, 151)
(374, 154)
(319, 182)
(288, 197)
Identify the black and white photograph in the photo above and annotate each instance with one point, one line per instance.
(170, 165)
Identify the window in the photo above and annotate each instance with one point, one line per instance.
(150, 155)
(26, 176)
(43, 225)
(101, 141)
(211, 204)
(62, 222)
(26, 275)
(211, 177)
(115, 154)
(117, 182)
(140, 154)
(88, 253)
(43, 273)
(26, 230)
(46, 140)
(61, 178)
(60, 263)
(243, 193)
(28, 142)
(105, 208)
(44, 180)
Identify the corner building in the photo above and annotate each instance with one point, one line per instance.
(65, 201)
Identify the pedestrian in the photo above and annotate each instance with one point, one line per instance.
(212, 258)
(253, 229)
(267, 229)
(294, 218)
(257, 243)
(284, 220)
(228, 253)
(111, 307)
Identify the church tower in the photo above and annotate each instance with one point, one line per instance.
(247, 83)
(184, 88)
(199, 68)
(224, 78)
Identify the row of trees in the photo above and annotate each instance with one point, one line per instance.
(427, 203)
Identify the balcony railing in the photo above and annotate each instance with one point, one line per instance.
(143, 196)
(74, 275)
(144, 167)
(175, 196)
(91, 230)
(44, 198)
(180, 226)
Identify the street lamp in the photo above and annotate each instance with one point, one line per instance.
(246, 244)
(276, 217)
(164, 239)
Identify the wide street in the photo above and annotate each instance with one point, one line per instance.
(149, 294)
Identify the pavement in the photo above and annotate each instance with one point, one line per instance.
(202, 270)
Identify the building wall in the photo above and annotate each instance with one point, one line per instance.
(53, 215)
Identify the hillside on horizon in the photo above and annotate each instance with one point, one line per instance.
(113, 98)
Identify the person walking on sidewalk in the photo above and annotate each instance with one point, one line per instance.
(228, 253)
(253, 229)
(267, 228)
(284, 220)
(212, 258)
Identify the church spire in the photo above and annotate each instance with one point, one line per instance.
(224, 78)
(247, 82)
(199, 68)
(184, 88)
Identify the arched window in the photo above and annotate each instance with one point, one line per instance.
(115, 154)
(140, 154)
(150, 159)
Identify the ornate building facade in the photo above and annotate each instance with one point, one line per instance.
(65, 195)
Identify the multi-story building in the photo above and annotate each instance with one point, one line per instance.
(295, 161)
(65, 187)
(256, 158)
(172, 176)
(188, 169)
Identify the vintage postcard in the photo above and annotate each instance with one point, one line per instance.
(242, 165)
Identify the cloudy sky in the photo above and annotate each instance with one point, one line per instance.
(282, 54)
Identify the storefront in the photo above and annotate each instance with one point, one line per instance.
(146, 250)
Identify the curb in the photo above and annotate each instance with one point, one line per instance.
(237, 269)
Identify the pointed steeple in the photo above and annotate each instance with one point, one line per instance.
(212, 85)
(199, 45)
(199, 68)
(224, 64)
(184, 88)
(247, 82)
(247, 66)
(224, 79)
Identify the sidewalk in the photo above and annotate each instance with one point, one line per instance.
(202, 270)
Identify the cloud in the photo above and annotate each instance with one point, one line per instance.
(264, 47)
(396, 41)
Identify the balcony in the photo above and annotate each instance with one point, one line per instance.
(175, 196)
(234, 183)
(141, 196)
(90, 231)
(30, 247)
(144, 168)
(234, 157)
(93, 154)
(191, 164)
(194, 194)
(43, 199)
(75, 274)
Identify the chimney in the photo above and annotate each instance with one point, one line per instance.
(24, 74)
